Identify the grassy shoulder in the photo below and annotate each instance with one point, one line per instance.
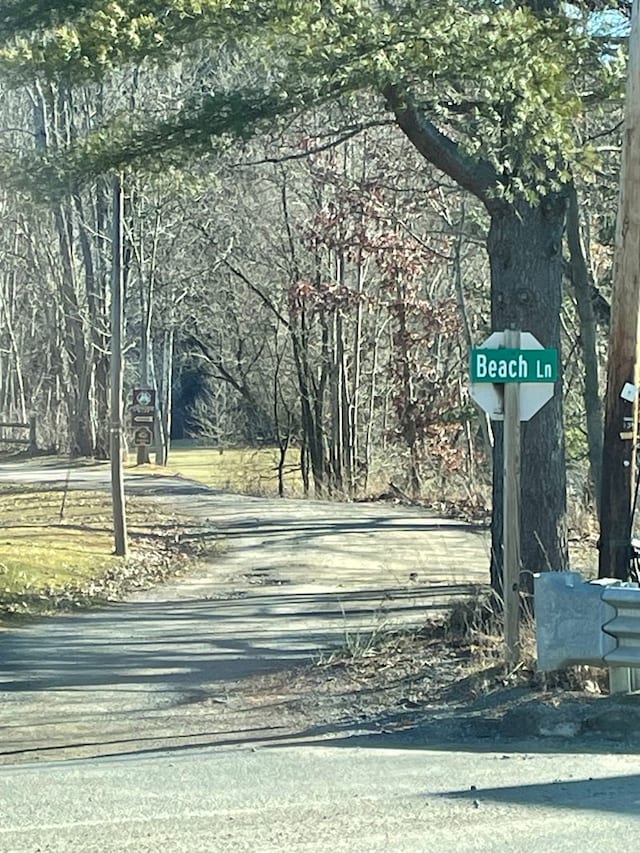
(56, 549)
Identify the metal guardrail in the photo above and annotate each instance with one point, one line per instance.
(625, 626)
(595, 623)
(624, 660)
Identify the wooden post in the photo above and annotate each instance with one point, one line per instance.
(621, 415)
(511, 512)
(117, 321)
(142, 455)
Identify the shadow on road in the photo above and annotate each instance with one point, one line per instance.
(619, 794)
(181, 644)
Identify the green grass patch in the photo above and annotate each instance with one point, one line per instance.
(56, 548)
(249, 471)
(50, 539)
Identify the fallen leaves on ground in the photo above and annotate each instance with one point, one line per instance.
(155, 556)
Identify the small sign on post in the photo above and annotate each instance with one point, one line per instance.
(144, 398)
(143, 437)
(142, 420)
(512, 377)
(488, 391)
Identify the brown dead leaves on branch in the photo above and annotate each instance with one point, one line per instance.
(403, 277)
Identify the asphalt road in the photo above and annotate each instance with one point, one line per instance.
(119, 729)
(324, 798)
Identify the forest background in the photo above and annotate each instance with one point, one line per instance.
(327, 205)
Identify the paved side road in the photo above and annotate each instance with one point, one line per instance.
(294, 578)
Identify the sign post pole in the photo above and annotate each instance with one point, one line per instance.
(511, 512)
(512, 377)
(115, 444)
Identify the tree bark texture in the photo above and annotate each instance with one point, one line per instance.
(116, 408)
(524, 247)
(525, 256)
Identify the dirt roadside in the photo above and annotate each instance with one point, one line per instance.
(425, 688)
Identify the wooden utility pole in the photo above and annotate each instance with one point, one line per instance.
(117, 321)
(621, 407)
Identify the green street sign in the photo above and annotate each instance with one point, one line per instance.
(514, 365)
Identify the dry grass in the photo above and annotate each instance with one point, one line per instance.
(251, 471)
(476, 623)
(461, 653)
(254, 471)
(51, 539)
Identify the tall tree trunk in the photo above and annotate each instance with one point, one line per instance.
(146, 296)
(101, 357)
(14, 362)
(336, 454)
(485, 421)
(355, 463)
(407, 413)
(525, 256)
(97, 331)
(51, 124)
(78, 395)
(619, 462)
(524, 246)
(340, 450)
(583, 288)
(311, 430)
(163, 416)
